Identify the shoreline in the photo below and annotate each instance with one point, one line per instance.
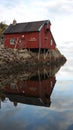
(12, 61)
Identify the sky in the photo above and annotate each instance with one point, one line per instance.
(59, 12)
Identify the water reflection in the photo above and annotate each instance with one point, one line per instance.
(31, 87)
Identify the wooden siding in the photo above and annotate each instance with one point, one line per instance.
(46, 37)
(24, 40)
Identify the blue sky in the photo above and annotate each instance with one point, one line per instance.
(59, 12)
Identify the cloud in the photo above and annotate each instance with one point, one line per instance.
(31, 9)
(8, 3)
(57, 6)
(59, 12)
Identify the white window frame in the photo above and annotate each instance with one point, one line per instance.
(12, 41)
(51, 42)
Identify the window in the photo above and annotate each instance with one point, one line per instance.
(12, 41)
(51, 42)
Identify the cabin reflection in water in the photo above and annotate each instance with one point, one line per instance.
(32, 86)
(34, 91)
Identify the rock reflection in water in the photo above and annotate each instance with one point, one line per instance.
(34, 88)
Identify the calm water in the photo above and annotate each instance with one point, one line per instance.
(38, 101)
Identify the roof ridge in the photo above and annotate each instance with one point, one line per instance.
(33, 21)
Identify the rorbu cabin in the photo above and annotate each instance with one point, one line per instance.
(29, 35)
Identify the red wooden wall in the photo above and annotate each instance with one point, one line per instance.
(46, 37)
(24, 40)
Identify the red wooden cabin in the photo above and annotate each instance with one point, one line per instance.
(29, 35)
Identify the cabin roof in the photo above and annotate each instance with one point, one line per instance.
(26, 27)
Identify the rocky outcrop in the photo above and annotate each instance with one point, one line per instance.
(12, 61)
